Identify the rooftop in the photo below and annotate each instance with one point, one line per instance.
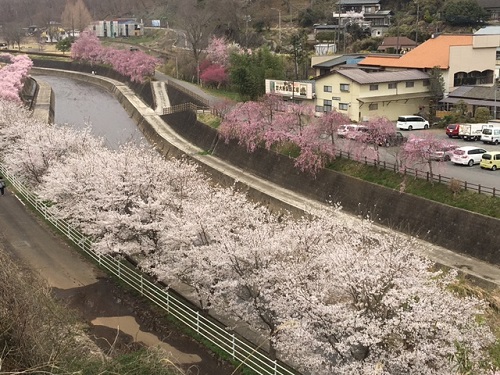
(362, 77)
(433, 52)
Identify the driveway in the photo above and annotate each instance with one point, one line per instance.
(105, 306)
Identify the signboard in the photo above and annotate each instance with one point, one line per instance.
(155, 23)
(290, 89)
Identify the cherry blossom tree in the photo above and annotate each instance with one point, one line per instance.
(379, 132)
(247, 124)
(330, 293)
(424, 150)
(13, 75)
(214, 75)
(136, 65)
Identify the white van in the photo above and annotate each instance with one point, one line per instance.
(411, 122)
(491, 135)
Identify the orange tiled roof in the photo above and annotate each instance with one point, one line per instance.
(434, 52)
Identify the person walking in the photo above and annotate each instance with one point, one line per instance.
(2, 185)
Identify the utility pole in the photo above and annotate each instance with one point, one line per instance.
(416, 26)
(279, 25)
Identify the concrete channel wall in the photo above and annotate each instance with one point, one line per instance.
(452, 228)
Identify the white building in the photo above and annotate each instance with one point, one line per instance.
(120, 27)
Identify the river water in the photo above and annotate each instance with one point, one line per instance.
(80, 104)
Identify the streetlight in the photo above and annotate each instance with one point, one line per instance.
(279, 24)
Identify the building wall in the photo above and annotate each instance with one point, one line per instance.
(468, 59)
(360, 111)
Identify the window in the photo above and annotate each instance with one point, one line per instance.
(373, 106)
(427, 82)
(392, 85)
(327, 105)
(373, 87)
(410, 84)
(327, 88)
(344, 87)
(343, 106)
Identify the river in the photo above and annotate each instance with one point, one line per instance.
(80, 104)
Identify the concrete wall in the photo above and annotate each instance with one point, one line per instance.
(44, 103)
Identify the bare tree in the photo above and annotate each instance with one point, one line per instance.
(198, 20)
(76, 16)
(13, 34)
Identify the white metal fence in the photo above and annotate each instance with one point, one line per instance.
(240, 350)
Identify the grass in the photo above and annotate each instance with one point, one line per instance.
(464, 199)
(223, 93)
(209, 119)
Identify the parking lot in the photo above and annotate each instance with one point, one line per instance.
(473, 175)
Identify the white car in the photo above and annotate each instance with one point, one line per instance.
(411, 122)
(467, 155)
(344, 129)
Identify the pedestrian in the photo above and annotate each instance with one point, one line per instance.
(2, 185)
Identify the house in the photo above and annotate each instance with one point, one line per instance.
(492, 30)
(324, 66)
(397, 44)
(492, 7)
(463, 59)
(362, 95)
(121, 27)
(366, 13)
(474, 97)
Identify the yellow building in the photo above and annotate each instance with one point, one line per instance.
(362, 95)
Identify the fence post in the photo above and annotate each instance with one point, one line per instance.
(233, 349)
(465, 185)
(197, 322)
(427, 176)
(494, 192)
(479, 188)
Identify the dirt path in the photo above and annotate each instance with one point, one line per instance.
(115, 315)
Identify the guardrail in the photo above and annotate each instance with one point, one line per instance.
(240, 350)
(181, 108)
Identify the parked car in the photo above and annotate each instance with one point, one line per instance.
(491, 135)
(350, 131)
(490, 160)
(452, 130)
(412, 122)
(467, 155)
(445, 153)
(396, 139)
(357, 132)
(343, 129)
